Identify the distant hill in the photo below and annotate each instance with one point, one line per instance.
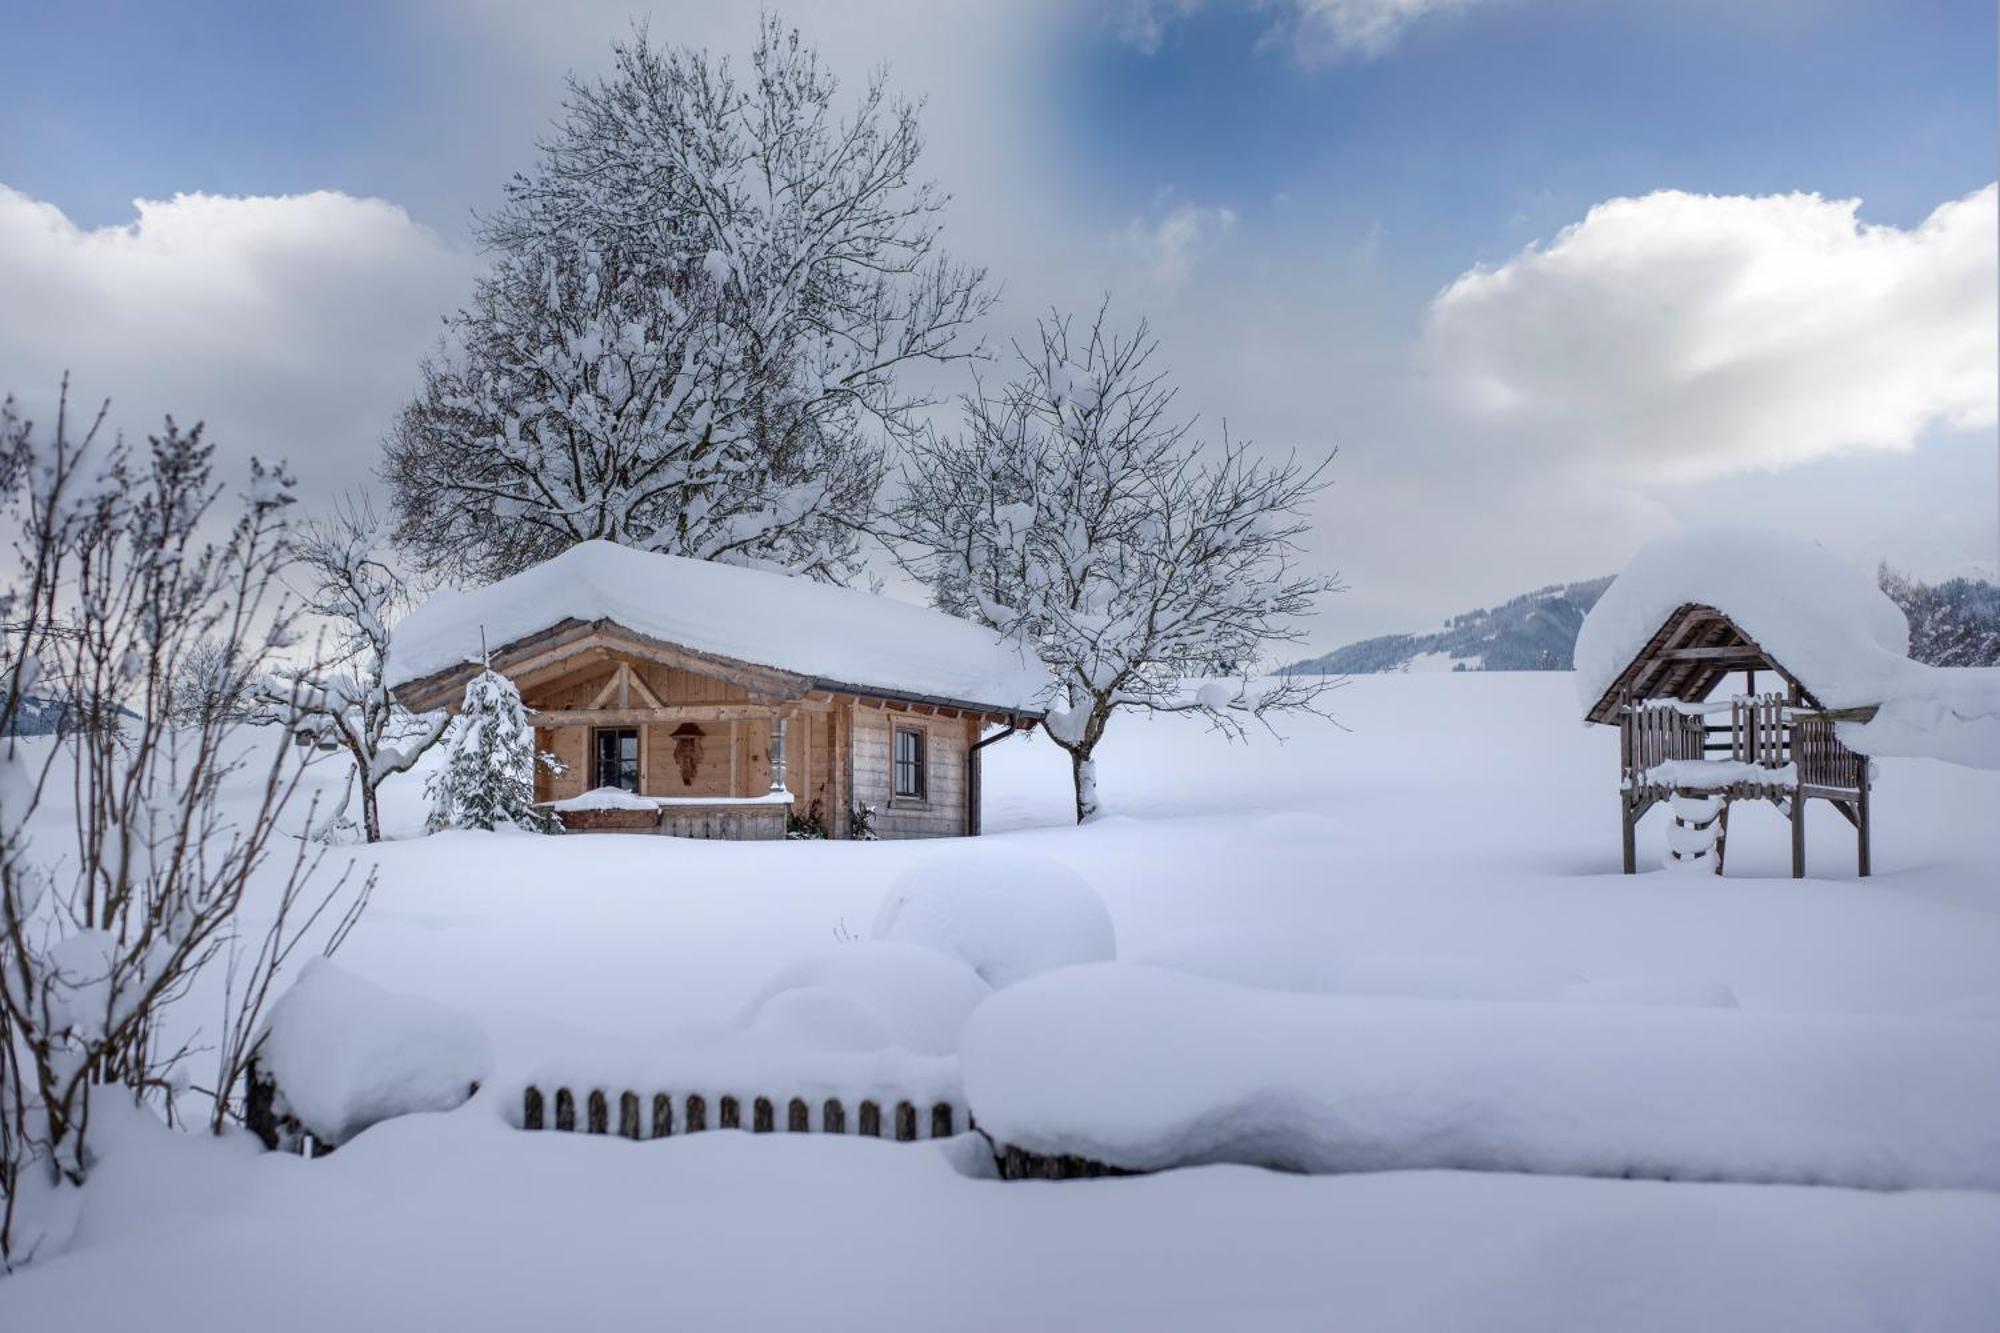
(1533, 632)
(1953, 623)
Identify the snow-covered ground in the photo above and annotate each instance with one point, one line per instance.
(1464, 824)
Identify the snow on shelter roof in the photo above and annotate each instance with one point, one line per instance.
(1819, 617)
(1823, 620)
(837, 636)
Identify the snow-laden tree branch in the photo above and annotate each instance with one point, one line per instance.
(349, 586)
(160, 811)
(1077, 513)
(693, 334)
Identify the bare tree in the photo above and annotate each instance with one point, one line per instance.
(108, 915)
(694, 332)
(350, 586)
(1077, 514)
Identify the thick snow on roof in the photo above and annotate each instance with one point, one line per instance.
(832, 634)
(1821, 618)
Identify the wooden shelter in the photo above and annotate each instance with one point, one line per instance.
(657, 730)
(1678, 744)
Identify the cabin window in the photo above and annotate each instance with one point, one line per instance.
(910, 778)
(617, 758)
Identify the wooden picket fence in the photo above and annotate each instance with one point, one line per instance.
(659, 1115)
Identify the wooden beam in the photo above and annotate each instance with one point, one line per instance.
(632, 717)
(1731, 654)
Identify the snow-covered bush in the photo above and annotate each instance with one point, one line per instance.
(1007, 914)
(488, 777)
(1143, 1068)
(915, 997)
(349, 586)
(345, 1054)
(128, 583)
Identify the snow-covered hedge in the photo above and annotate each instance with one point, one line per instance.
(1008, 914)
(346, 1054)
(1142, 1068)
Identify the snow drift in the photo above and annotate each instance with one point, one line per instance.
(1009, 915)
(1145, 1069)
(346, 1054)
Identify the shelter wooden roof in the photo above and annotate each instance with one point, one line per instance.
(1686, 658)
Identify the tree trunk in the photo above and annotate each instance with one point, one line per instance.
(1083, 772)
(371, 819)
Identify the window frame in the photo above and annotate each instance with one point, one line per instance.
(920, 764)
(638, 735)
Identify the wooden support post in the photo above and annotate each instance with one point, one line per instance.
(1631, 833)
(1798, 833)
(1861, 847)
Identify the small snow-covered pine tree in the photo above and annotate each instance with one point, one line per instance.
(488, 778)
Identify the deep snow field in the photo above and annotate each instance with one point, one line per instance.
(1459, 820)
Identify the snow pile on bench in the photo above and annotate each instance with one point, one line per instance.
(871, 994)
(836, 636)
(1144, 1069)
(1821, 618)
(1009, 915)
(346, 1054)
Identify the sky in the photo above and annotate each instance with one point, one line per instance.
(1544, 278)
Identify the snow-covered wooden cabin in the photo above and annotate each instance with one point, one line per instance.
(711, 701)
(1736, 666)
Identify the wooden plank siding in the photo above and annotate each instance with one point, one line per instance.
(942, 812)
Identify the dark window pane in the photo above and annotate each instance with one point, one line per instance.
(617, 759)
(908, 765)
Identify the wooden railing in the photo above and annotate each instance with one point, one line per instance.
(660, 1115)
(1763, 730)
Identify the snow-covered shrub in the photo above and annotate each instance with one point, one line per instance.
(129, 582)
(345, 1054)
(820, 1019)
(861, 823)
(1007, 914)
(917, 997)
(488, 777)
(1144, 1068)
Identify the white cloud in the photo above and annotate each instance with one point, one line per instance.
(1315, 32)
(1167, 246)
(292, 325)
(1680, 336)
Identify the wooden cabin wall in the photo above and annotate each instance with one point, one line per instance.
(735, 756)
(943, 813)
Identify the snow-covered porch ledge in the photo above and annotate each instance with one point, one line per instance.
(612, 809)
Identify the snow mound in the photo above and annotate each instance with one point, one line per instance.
(1145, 1069)
(916, 997)
(1304, 962)
(1823, 619)
(1009, 915)
(836, 636)
(346, 1054)
(820, 1019)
